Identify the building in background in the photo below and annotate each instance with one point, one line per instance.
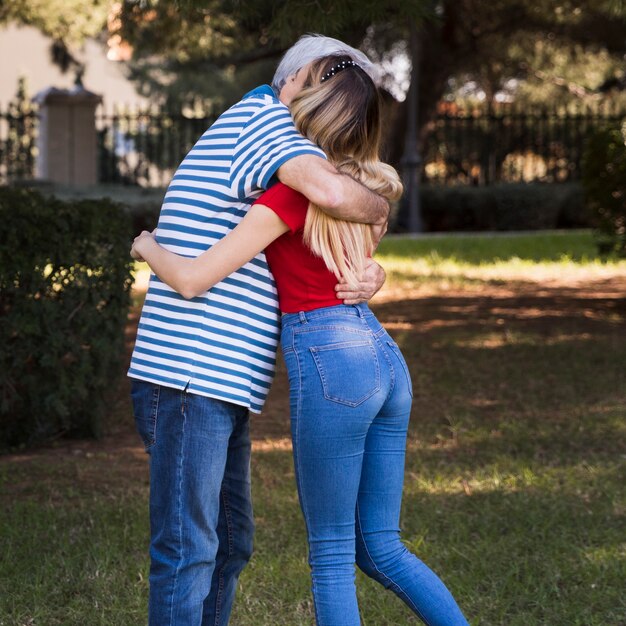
(25, 52)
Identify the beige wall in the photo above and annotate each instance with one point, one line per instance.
(24, 51)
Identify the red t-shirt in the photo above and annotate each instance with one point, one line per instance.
(302, 278)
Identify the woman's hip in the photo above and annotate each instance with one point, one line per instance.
(336, 361)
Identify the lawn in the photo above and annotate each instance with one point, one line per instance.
(515, 476)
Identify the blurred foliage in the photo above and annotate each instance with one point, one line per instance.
(548, 49)
(219, 49)
(67, 22)
(64, 296)
(557, 65)
(216, 49)
(212, 51)
(538, 70)
(557, 74)
(17, 145)
(604, 179)
(551, 49)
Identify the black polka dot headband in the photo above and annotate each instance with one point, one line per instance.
(338, 68)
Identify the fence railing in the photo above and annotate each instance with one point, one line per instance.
(508, 145)
(144, 147)
(18, 133)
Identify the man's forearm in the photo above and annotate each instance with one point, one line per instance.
(337, 194)
(357, 203)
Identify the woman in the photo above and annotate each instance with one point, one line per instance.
(350, 390)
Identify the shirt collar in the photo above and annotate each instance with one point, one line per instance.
(263, 90)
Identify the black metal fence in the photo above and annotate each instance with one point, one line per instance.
(512, 145)
(18, 132)
(144, 147)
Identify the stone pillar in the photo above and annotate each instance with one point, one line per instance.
(67, 145)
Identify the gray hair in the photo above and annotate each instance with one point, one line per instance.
(311, 47)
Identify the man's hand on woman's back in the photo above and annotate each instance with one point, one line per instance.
(372, 280)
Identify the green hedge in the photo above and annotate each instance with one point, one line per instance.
(144, 217)
(503, 207)
(604, 178)
(64, 297)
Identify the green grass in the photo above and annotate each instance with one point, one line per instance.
(514, 489)
(494, 258)
(481, 248)
(74, 563)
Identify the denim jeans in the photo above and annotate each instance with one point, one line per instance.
(201, 522)
(350, 398)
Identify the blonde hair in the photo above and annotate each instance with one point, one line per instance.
(342, 116)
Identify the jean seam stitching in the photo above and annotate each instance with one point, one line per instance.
(299, 472)
(405, 369)
(156, 396)
(179, 508)
(220, 587)
(392, 582)
(320, 369)
(354, 331)
(392, 373)
(339, 311)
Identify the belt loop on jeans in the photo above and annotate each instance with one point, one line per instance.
(358, 310)
(302, 317)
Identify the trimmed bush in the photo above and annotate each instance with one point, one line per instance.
(604, 180)
(504, 207)
(144, 217)
(457, 208)
(64, 297)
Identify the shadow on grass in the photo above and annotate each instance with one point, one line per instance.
(513, 482)
(535, 377)
(515, 549)
(539, 555)
(517, 545)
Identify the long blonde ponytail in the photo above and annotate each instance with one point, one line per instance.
(342, 116)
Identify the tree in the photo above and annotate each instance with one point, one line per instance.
(199, 46)
(17, 147)
(67, 22)
(220, 48)
(538, 47)
(215, 49)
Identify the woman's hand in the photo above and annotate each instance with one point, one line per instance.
(139, 244)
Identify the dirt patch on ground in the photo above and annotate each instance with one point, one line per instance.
(414, 314)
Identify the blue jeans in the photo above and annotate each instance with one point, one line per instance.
(201, 520)
(350, 398)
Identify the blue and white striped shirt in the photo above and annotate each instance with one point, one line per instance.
(221, 344)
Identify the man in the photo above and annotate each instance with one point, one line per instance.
(199, 365)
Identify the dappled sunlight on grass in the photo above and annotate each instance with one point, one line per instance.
(507, 338)
(466, 259)
(270, 444)
(566, 273)
(514, 466)
(601, 556)
(141, 277)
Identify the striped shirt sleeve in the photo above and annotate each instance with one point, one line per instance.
(268, 140)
